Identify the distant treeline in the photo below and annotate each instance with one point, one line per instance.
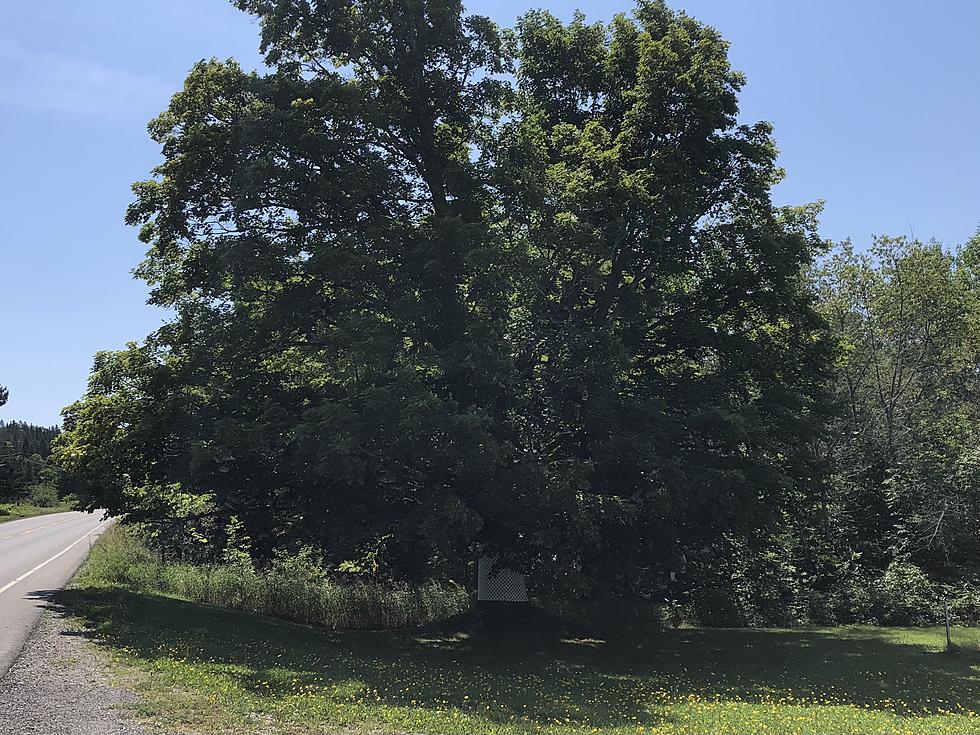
(24, 466)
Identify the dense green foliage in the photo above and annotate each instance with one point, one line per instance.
(436, 295)
(907, 316)
(442, 289)
(25, 471)
(891, 533)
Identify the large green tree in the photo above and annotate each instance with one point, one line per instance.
(442, 289)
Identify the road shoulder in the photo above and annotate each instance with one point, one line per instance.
(59, 686)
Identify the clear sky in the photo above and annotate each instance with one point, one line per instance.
(876, 106)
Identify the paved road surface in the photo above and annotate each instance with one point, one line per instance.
(37, 556)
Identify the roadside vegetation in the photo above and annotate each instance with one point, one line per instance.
(201, 669)
(292, 587)
(15, 511)
(29, 482)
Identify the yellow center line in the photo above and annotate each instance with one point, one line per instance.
(41, 528)
(32, 530)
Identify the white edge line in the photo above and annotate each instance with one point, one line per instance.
(43, 564)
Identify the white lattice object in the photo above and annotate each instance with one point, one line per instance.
(499, 584)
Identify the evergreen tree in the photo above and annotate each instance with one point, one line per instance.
(24, 453)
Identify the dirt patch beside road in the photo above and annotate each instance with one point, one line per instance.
(58, 687)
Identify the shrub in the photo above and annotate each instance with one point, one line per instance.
(964, 602)
(292, 587)
(43, 495)
(904, 595)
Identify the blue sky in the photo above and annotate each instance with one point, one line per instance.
(876, 106)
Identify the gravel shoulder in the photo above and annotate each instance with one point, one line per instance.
(59, 686)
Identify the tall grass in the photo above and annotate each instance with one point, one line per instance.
(292, 588)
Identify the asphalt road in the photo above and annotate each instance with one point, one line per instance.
(37, 557)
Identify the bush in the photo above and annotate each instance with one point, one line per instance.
(43, 496)
(964, 602)
(733, 585)
(717, 608)
(904, 595)
(292, 587)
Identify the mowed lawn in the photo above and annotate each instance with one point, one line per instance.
(206, 670)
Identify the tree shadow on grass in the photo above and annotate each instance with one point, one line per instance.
(540, 674)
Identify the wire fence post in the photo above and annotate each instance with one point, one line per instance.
(949, 641)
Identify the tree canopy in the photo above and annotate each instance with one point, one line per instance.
(907, 316)
(443, 289)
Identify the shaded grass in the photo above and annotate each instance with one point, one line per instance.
(16, 511)
(209, 670)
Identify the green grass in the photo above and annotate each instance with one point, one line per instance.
(16, 511)
(207, 670)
